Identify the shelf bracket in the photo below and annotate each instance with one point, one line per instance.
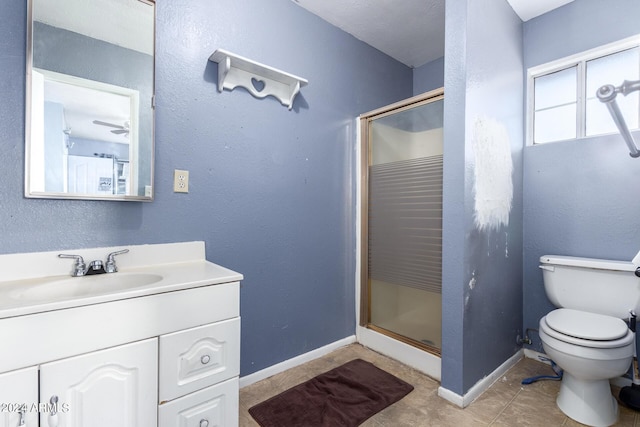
(258, 79)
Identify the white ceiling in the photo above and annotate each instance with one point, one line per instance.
(83, 105)
(527, 9)
(410, 31)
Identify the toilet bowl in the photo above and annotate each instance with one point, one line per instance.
(586, 336)
(591, 349)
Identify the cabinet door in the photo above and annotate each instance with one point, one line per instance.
(19, 398)
(107, 388)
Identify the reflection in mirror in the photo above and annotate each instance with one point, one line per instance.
(89, 99)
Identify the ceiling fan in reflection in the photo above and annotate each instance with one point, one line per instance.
(119, 129)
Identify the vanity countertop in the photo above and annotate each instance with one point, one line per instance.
(172, 267)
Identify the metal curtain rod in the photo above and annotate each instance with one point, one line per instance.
(607, 94)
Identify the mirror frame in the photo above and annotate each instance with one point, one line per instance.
(28, 109)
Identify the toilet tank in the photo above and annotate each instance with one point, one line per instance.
(593, 285)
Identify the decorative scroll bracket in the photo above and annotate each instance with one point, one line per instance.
(260, 80)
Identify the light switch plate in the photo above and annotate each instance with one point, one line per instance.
(180, 181)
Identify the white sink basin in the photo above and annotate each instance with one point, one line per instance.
(74, 287)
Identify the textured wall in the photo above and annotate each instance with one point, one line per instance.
(482, 263)
(579, 26)
(581, 197)
(271, 190)
(428, 77)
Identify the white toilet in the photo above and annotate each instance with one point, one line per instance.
(586, 336)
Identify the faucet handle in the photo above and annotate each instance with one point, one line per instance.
(79, 267)
(110, 265)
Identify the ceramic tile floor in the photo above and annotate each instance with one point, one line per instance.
(506, 403)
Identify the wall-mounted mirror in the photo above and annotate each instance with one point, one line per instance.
(89, 99)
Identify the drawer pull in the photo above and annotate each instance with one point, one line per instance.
(23, 414)
(53, 416)
(204, 422)
(204, 360)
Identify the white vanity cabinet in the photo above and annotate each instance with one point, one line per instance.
(124, 363)
(132, 353)
(112, 387)
(18, 391)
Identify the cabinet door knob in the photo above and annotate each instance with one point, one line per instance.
(204, 360)
(23, 416)
(204, 422)
(53, 416)
(54, 406)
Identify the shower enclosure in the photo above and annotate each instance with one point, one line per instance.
(401, 217)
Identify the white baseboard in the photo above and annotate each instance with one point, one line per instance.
(293, 362)
(481, 386)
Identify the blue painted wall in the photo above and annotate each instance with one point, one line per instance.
(428, 77)
(581, 197)
(271, 190)
(483, 77)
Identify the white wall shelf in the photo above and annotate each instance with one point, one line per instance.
(259, 79)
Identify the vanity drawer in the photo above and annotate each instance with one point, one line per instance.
(197, 358)
(212, 407)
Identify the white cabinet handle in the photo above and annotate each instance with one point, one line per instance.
(23, 416)
(204, 360)
(204, 422)
(53, 416)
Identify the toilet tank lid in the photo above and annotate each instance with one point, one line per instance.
(601, 264)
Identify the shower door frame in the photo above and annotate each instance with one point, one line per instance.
(365, 161)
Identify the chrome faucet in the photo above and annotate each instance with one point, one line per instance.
(95, 267)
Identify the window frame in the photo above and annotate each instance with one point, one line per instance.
(578, 60)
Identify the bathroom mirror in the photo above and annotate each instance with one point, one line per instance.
(89, 99)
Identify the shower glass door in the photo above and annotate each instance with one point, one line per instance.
(402, 221)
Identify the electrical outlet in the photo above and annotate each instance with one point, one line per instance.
(180, 181)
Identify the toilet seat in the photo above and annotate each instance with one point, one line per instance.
(588, 326)
(586, 329)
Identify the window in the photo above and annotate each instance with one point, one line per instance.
(562, 94)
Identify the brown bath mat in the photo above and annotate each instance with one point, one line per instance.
(344, 396)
